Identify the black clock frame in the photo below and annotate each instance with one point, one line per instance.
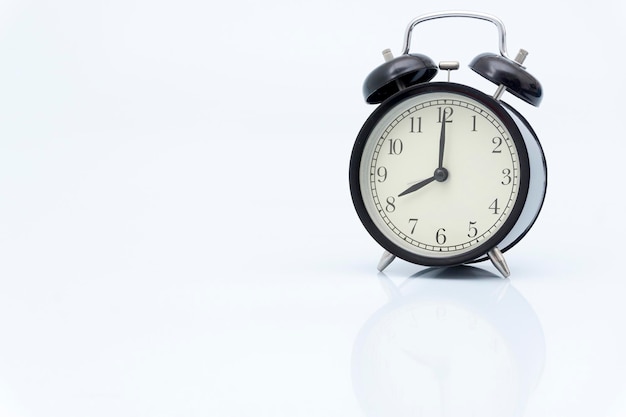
(356, 159)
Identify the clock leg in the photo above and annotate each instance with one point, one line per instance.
(498, 261)
(385, 260)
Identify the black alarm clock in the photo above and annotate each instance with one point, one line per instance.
(443, 174)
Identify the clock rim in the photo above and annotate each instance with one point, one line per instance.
(355, 166)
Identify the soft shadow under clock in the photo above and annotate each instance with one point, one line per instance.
(456, 272)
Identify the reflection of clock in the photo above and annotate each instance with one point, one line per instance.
(445, 347)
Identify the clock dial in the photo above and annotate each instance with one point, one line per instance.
(443, 172)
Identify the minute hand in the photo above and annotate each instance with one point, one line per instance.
(442, 139)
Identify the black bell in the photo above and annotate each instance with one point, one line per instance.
(502, 71)
(397, 74)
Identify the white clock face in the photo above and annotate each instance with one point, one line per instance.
(440, 174)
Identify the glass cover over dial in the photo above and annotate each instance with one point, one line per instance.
(441, 173)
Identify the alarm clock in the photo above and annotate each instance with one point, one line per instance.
(442, 174)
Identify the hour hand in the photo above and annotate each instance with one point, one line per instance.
(417, 186)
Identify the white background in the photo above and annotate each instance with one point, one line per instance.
(177, 236)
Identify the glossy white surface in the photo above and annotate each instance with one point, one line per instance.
(177, 236)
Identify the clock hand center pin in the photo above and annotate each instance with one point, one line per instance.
(441, 174)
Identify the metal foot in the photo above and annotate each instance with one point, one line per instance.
(498, 261)
(385, 260)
